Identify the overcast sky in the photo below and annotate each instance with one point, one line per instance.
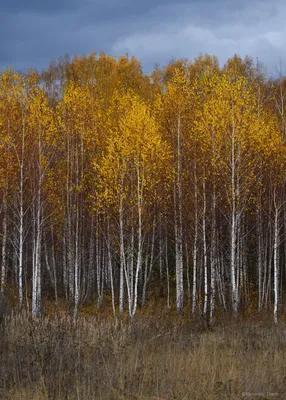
(33, 32)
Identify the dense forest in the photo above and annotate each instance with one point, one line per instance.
(117, 186)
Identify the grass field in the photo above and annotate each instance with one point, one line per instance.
(152, 358)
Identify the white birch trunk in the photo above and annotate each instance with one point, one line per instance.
(4, 243)
(259, 256)
(195, 251)
(54, 267)
(205, 251)
(167, 268)
(213, 257)
(21, 222)
(276, 261)
(233, 226)
(148, 271)
(140, 186)
(110, 269)
(122, 256)
(76, 258)
(179, 225)
(36, 290)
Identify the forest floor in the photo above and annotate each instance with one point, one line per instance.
(154, 357)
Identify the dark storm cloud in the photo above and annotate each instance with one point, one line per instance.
(221, 28)
(34, 32)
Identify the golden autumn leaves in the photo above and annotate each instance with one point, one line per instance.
(124, 131)
(123, 138)
(100, 141)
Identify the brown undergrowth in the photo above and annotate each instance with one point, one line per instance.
(152, 358)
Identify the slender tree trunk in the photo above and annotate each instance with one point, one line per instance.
(233, 248)
(195, 251)
(122, 257)
(206, 291)
(179, 226)
(213, 257)
(167, 267)
(276, 260)
(140, 186)
(54, 267)
(77, 238)
(37, 284)
(188, 275)
(4, 241)
(21, 221)
(148, 271)
(161, 259)
(110, 269)
(259, 258)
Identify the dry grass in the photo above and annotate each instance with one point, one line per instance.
(151, 359)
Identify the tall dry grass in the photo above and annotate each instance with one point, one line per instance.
(152, 358)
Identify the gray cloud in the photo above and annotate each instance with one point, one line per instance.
(38, 6)
(153, 31)
(256, 30)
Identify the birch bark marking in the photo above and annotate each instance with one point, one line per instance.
(4, 239)
(213, 257)
(36, 290)
(233, 221)
(205, 247)
(122, 252)
(179, 236)
(140, 188)
(276, 258)
(110, 269)
(21, 219)
(195, 251)
(76, 258)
